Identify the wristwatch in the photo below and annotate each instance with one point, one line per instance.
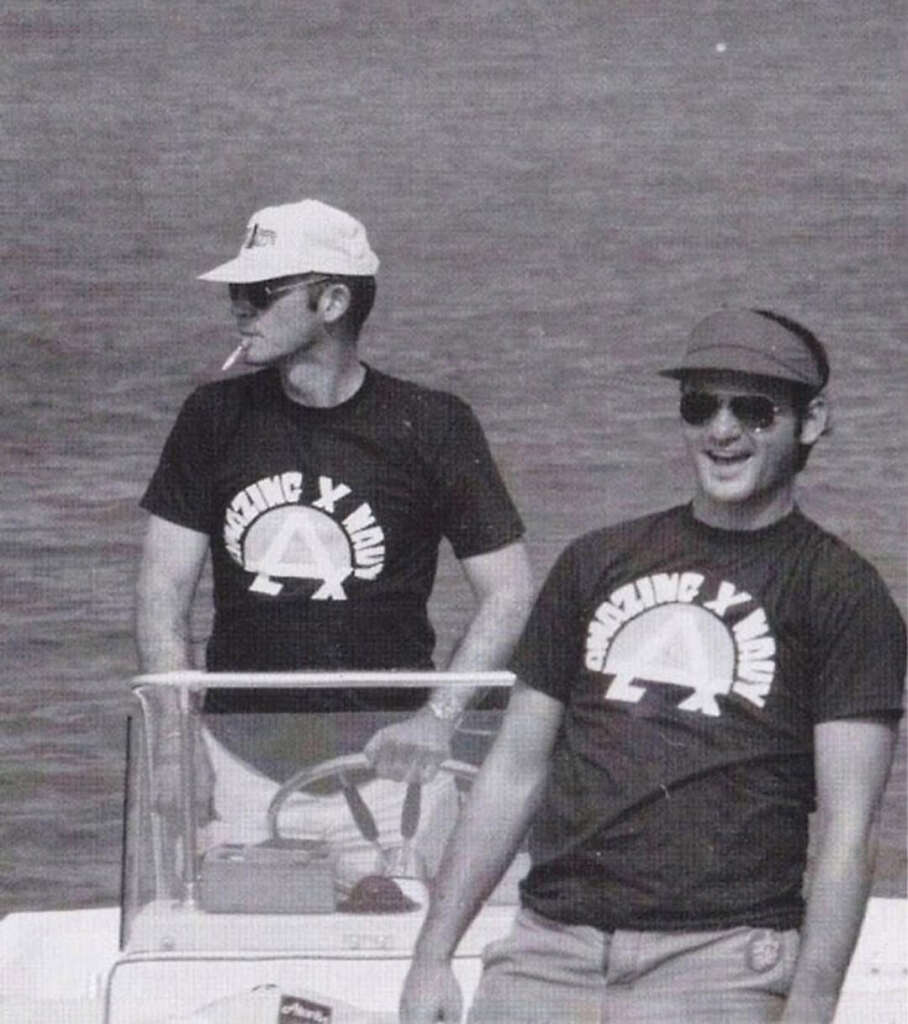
(445, 706)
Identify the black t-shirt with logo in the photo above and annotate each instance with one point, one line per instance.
(693, 664)
(325, 524)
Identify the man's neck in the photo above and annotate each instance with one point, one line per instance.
(750, 515)
(323, 383)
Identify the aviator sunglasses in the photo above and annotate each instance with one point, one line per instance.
(753, 412)
(261, 294)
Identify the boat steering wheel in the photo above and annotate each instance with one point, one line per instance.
(341, 768)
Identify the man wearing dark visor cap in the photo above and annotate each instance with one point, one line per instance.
(690, 686)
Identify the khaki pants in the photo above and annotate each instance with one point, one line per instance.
(549, 973)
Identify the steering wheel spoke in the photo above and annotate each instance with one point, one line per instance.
(399, 859)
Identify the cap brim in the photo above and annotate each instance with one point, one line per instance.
(746, 363)
(246, 270)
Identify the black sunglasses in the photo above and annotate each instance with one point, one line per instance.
(261, 294)
(753, 412)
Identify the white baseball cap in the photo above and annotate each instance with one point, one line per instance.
(298, 238)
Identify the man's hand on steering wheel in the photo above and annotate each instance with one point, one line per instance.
(412, 750)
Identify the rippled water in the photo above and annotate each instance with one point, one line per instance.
(556, 192)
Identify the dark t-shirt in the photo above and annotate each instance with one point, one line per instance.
(693, 664)
(325, 525)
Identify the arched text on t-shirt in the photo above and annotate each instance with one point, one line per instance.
(682, 629)
(272, 533)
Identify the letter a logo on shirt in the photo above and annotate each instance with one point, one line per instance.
(297, 542)
(677, 645)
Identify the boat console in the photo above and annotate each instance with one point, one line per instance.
(269, 875)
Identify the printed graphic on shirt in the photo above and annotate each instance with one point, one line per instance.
(269, 531)
(687, 630)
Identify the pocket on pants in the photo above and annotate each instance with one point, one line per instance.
(548, 948)
(525, 937)
(541, 972)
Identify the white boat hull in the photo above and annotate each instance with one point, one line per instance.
(65, 966)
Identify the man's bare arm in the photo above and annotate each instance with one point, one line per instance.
(853, 758)
(172, 561)
(502, 587)
(491, 826)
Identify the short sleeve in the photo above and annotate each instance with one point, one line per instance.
(859, 648)
(475, 510)
(180, 486)
(548, 654)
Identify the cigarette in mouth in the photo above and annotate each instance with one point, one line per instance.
(233, 357)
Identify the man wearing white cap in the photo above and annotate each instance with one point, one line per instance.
(322, 489)
(690, 685)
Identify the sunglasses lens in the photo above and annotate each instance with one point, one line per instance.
(698, 408)
(753, 412)
(256, 294)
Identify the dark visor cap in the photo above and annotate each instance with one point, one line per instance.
(742, 341)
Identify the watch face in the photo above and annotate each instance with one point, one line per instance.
(445, 706)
